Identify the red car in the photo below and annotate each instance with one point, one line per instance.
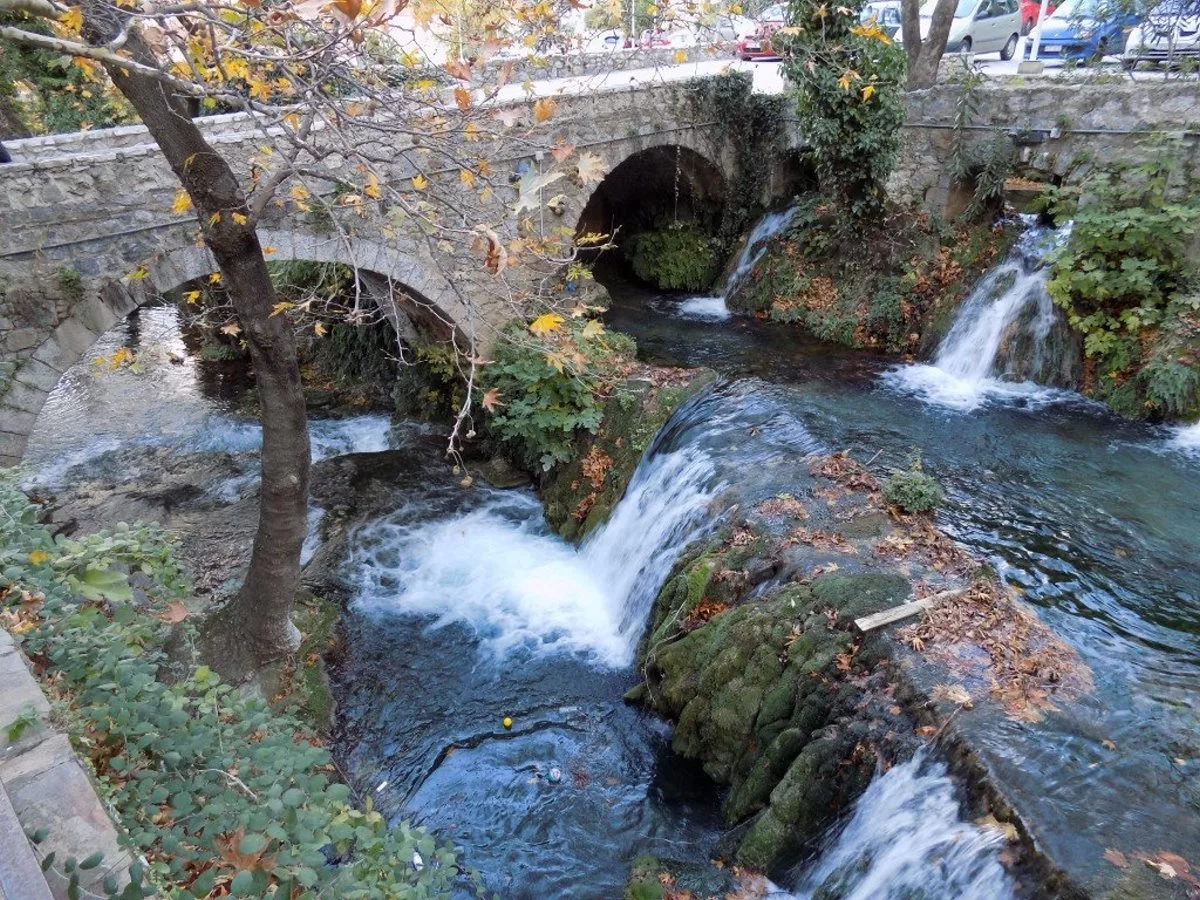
(1030, 9)
(757, 44)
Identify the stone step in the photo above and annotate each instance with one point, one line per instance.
(20, 871)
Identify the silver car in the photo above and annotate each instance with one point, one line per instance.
(1168, 33)
(980, 26)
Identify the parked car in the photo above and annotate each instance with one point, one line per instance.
(757, 44)
(1031, 10)
(884, 13)
(979, 26)
(1084, 29)
(1168, 33)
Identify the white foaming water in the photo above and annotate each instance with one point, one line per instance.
(963, 373)
(907, 839)
(709, 309)
(1186, 440)
(499, 571)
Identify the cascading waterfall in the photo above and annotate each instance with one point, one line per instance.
(497, 569)
(713, 307)
(907, 839)
(999, 337)
(1186, 440)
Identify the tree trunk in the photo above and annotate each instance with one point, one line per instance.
(925, 56)
(255, 627)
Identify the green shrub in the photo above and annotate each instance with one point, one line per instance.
(680, 258)
(1127, 282)
(913, 490)
(547, 387)
(430, 386)
(212, 787)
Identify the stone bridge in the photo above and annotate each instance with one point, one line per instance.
(89, 232)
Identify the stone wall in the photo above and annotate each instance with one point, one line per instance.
(1057, 127)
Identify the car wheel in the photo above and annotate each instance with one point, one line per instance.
(965, 47)
(1010, 49)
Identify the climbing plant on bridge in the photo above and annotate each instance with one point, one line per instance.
(848, 81)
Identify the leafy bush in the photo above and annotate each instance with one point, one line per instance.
(913, 490)
(849, 81)
(221, 795)
(549, 382)
(679, 258)
(1127, 282)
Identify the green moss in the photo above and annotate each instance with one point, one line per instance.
(643, 880)
(300, 684)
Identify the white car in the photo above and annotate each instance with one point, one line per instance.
(1168, 33)
(979, 26)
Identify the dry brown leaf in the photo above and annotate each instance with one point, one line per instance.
(1117, 858)
(174, 613)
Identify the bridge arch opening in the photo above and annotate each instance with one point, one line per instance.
(661, 191)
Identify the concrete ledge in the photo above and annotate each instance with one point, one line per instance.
(43, 784)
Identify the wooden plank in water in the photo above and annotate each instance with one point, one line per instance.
(904, 611)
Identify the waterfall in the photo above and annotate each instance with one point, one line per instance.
(713, 307)
(906, 839)
(1186, 440)
(495, 567)
(1000, 340)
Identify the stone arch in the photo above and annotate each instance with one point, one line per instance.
(422, 293)
(646, 178)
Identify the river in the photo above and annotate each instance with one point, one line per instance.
(466, 610)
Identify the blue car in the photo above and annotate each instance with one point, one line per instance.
(1084, 29)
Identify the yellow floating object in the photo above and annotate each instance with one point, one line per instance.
(507, 722)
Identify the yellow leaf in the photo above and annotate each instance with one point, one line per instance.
(372, 189)
(281, 306)
(868, 91)
(680, 57)
(546, 323)
(466, 177)
(268, 250)
(652, 10)
(848, 78)
(556, 361)
(232, 328)
(192, 297)
(214, 278)
(239, 218)
(72, 20)
(37, 557)
(139, 273)
(594, 328)
(463, 98)
(543, 109)
(471, 132)
(491, 400)
(319, 329)
(183, 202)
(419, 181)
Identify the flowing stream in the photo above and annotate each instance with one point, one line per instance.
(465, 609)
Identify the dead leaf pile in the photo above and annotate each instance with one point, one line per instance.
(699, 616)
(1024, 665)
(841, 469)
(784, 506)
(820, 540)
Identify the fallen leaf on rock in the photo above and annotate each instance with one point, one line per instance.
(174, 613)
(1117, 858)
(1008, 829)
(1108, 745)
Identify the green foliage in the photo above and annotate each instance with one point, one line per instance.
(551, 386)
(210, 785)
(848, 82)
(25, 720)
(58, 95)
(913, 490)
(754, 125)
(430, 386)
(675, 258)
(1127, 282)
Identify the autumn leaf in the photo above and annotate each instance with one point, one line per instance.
(459, 69)
(463, 98)
(280, 307)
(319, 329)
(848, 78)
(348, 8)
(491, 400)
(37, 557)
(192, 297)
(232, 329)
(1005, 828)
(530, 187)
(174, 613)
(546, 323)
(467, 177)
(560, 150)
(138, 274)
(1117, 858)
(868, 92)
(214, 278)
(239, 218)
(680, 57)
(543, 109)
(268, 250)
(556, 362)
(420, 182)
(72, 20)
(594, 328)
(591, 168)
(507, 117)
(371, 188)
